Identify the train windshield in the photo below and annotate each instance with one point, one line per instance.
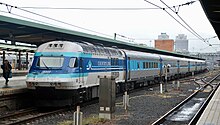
(50, 62)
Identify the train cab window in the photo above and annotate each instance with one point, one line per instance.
(50, 62)
(73, 62)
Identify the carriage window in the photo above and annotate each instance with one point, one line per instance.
(114, 61)
(138, 65)
(48, 62)
(144, 65)
(73, 62)
(150, 65)
(147, 66)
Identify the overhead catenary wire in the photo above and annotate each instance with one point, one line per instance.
(10, 6)
(29, 18)
(204, 40)
(188, 29)
(101, 8)
(77, 8)
(64, 22)
(183, 20)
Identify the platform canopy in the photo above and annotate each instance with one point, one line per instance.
(17, 30)
(17, 48)
(212, 11)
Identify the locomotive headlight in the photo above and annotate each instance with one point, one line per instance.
(53, 84)
(36, 84)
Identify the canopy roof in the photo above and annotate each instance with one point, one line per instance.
(34, 33)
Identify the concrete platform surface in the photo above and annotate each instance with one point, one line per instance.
(211, 115)
(14, 82)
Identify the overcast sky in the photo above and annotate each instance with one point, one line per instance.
(142, 25)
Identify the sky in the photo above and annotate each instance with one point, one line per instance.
(135, 25)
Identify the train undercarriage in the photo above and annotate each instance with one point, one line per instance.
(51, 97)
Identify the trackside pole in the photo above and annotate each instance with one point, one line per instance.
(126, 100)
(77, 116)
(165, 80)
(161, 88)
(178, 85)
(193, 76)
(173, 84)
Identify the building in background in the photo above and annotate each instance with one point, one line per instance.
(164, 43)
(212, 59)
(181, 44)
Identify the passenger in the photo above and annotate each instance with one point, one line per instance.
(6, 67)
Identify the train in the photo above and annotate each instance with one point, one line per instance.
(68, 72)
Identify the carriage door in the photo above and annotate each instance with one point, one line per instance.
(129, 68)
(189, 66)
(196, 66)
(81, 71)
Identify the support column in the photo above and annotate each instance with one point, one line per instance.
(27, 60)
(19, 60)
(3, 57)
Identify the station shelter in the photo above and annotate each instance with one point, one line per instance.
(19, 56)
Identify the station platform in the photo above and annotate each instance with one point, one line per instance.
(16, 85)
(16, 72)
(211, 115)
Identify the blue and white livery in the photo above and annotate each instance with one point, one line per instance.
(65, 73)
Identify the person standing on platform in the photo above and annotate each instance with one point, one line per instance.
(6, 67)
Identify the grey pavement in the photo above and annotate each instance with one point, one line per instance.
(14, 82)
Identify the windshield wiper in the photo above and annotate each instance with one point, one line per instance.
(45, 64)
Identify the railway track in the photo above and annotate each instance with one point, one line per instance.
(27, 115)
(31, 115)
(189, 111)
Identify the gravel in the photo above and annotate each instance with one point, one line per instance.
(145, 107)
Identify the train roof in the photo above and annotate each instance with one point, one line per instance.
(67, 46)
(59, 46)
(138, 54)
(100, 49)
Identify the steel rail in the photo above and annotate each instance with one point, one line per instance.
(163, 118)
